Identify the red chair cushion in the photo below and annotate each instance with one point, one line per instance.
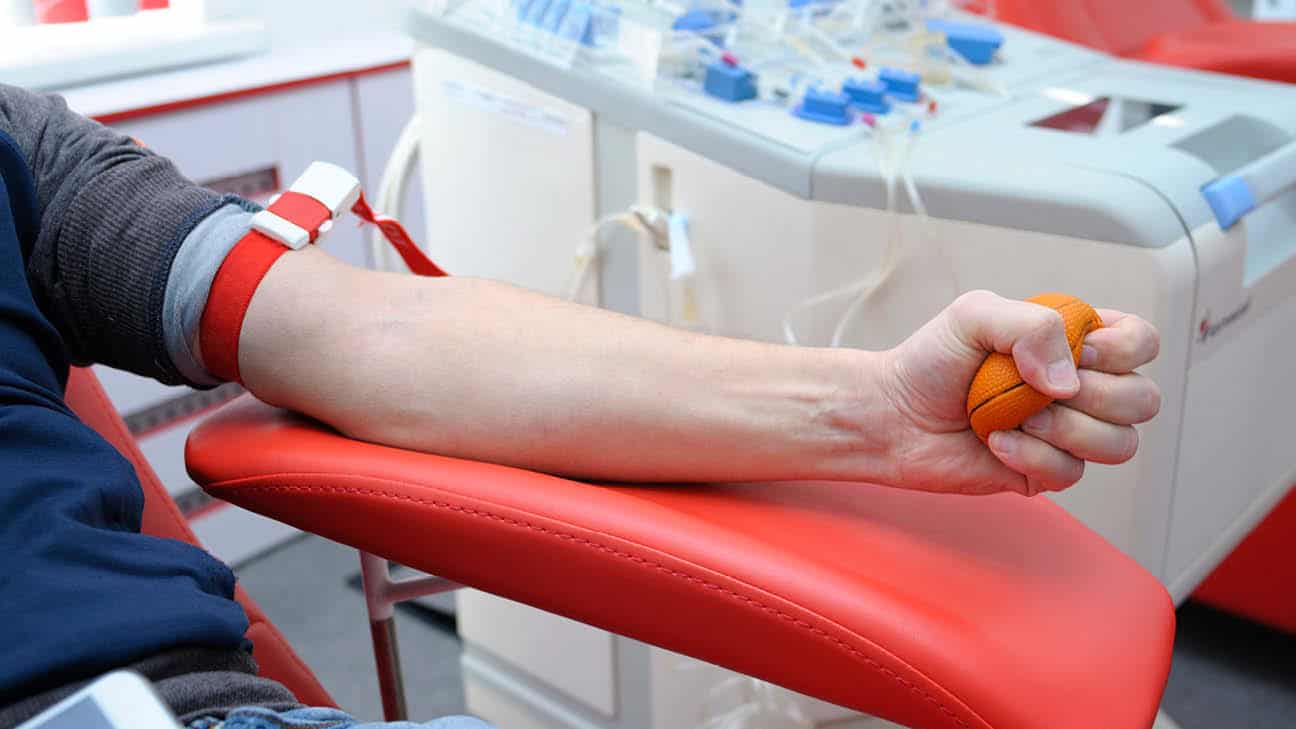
(1241, 48)
(933, 611)
(162, 518)
(1114, 26)
(1258, 578)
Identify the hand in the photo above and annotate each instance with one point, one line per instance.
(927, 377)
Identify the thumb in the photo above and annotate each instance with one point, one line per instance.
(1034, 335)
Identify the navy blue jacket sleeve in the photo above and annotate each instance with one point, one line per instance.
(81, 590)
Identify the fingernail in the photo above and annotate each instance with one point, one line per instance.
(1038, 422)
(1062, 375)
(1088, 356)
(1001, 441)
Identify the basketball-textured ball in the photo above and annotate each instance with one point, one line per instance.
(999, 399)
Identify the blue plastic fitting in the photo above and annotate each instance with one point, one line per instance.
(976, 43)
(554, 15)
(577, 25)
(536, 12)
(825, 107)
(605, 23)
(731, 83)
(1229, 198)
(869, 96)
(700, 20)
(813, 7)
(900, 84)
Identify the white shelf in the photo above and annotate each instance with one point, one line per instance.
(283, 64)
(57, 56)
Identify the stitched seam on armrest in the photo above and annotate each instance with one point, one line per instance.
(241, 485)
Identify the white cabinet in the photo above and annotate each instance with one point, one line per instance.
(508, 173)
(562, 655)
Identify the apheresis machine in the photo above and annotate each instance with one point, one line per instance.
(833, 173)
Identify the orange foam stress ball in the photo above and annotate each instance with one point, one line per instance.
(999, 399)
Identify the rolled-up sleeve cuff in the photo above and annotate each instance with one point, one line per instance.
(189, 282)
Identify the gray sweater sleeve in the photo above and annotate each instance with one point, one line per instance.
(111, 217)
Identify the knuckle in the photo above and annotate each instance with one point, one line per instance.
(980, 295)
(1154, 340)
(1151, 402)
(1039, 456)
(1077, 472)
(1121, 447)
(1129, 350)
(1130, 446)
(1096, 396)
(1047, 319)
(1064, 424)
(1042, 424)
(1054, 428)
(1066, 475)
(973, 300)
(1125, 350)
(1046, 324)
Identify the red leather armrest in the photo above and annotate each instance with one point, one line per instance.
(937, 612)
(1239, 47)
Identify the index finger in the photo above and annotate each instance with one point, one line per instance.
(1124, 343)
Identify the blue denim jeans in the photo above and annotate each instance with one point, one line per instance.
(254, 718)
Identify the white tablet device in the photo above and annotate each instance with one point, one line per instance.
(118, 700)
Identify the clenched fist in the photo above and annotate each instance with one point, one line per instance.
(926, 381)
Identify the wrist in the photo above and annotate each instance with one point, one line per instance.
(865, 433)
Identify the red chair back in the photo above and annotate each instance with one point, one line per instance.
(1115, 26)
(162, 518)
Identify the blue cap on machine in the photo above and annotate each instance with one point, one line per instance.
(867, 96)
(536, 11)
(578, 24)
(1229, 198)
(701, 20)
(554, 15)
(729, 82)
(826, 107)
(901, 84)
(976, 43)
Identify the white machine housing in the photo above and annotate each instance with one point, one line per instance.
(521, 155)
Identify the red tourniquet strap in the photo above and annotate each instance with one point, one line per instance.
(303, 210)
(247, 264)
(228, 301)
(395, 233)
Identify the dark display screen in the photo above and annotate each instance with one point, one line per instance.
(1105, 115)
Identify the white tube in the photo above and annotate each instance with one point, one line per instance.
(391, 193)
(874, 281)
(591, 250)
(889, 162)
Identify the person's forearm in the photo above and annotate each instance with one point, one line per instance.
(483, 370)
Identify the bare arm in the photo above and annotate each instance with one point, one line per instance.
(488, 371)
(483, 370)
